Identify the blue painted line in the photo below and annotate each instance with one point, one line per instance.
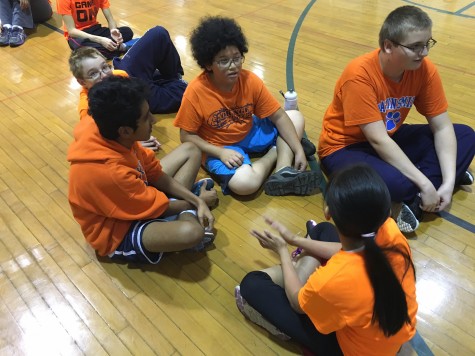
(290, 51)
(54, 28)
(457, 13)
(457, 221)
(465, 8)
(420, 346)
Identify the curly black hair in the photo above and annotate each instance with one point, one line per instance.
(213, 34)
(117, 101)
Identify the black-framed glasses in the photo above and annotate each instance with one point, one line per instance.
(105, 69)
(226, 63)
(418, 48)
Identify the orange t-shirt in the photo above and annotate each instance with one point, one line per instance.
(84, 13)
(339, 297)
(224, 118)
(363, 95)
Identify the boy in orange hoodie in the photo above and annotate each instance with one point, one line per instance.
(130, 205)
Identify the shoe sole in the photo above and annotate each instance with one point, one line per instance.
(256, 317)
(406, 220)
(304, 183)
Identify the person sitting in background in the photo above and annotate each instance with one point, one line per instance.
(81, 27)
(16, 15)
(89, 67)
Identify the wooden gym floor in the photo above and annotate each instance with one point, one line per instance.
(57, 298)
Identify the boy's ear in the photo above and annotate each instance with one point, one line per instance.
(326, 213)
(125, 131)
(388, 46)
(82, 82)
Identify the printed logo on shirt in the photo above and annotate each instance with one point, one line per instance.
(396, 104)
(143, 175)
(85, 11)
(392, 119)
(225, 117)
(390, 106)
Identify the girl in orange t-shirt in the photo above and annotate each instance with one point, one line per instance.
(353, 297)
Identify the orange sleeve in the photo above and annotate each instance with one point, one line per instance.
(431, 101)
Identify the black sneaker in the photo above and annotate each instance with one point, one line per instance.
(5, 36)
(467, 179)
(410, 215)
(17, 37)
(308, 148)
(288, 180)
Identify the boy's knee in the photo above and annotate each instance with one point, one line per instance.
(159, 32)
(251, 283)
(192, 232)
(244, 182)
(297, 119)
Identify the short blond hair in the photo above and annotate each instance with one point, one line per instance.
(77, 57)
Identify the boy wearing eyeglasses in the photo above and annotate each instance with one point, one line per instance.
(229, 114)
(420, 164)
(153, 58)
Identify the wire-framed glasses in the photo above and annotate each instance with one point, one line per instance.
(105, 69)
(418, 48)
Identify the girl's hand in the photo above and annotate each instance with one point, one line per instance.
(282, 230)
(270, 241)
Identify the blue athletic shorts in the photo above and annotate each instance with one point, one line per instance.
(131, 248)
(260, 139)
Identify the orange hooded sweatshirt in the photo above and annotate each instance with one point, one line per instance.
(108, 186)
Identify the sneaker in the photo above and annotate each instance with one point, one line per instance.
(256, 317)
(288, 180)
(309, 149)
(467, 179)
(17, 37)
(207, 240)
(410, 215)
(5, 36)
(196, 188)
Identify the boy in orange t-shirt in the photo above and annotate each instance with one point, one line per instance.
(130, 205)
(229, 113)
(82, 29)
(420, 164)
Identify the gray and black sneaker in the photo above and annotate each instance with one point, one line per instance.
(467, 179)
(256, 317)
(289, 181)
(410, 215)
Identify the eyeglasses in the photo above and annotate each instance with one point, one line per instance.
(226, 63)
(418, 48)
(105, 69)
